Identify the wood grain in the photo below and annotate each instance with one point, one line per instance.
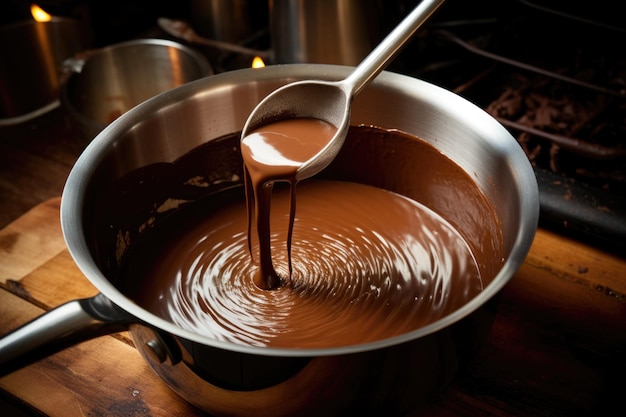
(101, 377)
(30, 241)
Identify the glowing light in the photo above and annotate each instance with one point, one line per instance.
(39, 14)
(257, 62)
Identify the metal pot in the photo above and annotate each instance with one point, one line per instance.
(104, 83)
(388, 376)
(231, 21)
(324, 32)
(31, 69)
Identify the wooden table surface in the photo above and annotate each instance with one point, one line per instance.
(557, 347)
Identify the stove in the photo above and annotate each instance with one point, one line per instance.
(554, 75)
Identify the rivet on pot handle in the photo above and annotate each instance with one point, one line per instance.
(73, 322)
(158, 346)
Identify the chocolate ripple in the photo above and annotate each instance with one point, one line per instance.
(367, 264)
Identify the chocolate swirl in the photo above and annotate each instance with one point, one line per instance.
(368, 264)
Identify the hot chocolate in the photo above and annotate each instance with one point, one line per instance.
(367, 263)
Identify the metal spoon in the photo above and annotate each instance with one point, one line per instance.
(330, 101)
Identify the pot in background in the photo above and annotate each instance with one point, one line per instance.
(31, 68)
(105, 83)
(387, 377)
(231, 21)
(324, 32)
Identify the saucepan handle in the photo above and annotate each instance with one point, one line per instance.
(61, 327)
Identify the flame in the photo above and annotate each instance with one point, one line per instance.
(257, 62)
(39, 14)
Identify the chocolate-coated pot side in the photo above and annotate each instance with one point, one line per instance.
(228, 379)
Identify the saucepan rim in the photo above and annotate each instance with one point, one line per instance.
(78, 181)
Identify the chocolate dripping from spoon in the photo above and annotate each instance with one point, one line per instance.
(326, 102)
(273, 153)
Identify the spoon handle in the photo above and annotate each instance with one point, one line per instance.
(377, 60)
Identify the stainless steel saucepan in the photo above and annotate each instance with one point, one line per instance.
(139, 169)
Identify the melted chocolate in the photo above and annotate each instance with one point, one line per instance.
(275, 152)
(368, 263)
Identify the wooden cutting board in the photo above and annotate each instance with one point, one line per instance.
(566, 297)
(102, 377)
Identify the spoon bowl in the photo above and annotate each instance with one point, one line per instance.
(324, 100)
(330, 101)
